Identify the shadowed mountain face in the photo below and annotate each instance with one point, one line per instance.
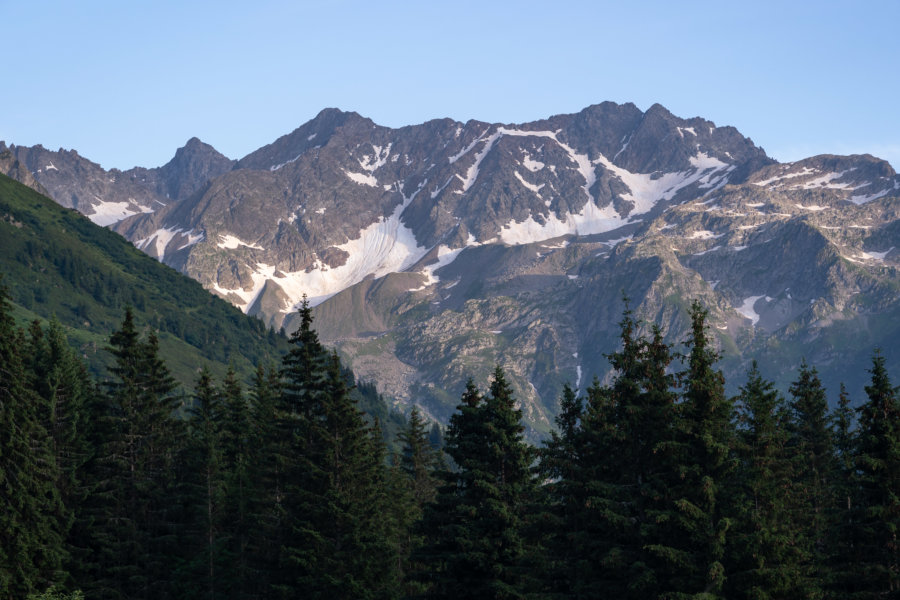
(107, 197)
(435, 251)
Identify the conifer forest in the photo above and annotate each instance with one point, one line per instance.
(654, 483)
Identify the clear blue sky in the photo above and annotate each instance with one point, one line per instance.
(127, 82)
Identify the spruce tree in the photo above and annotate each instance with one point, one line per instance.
(240, 485)
(648, 422)
(613, 467)
(475, 528)
(60, 379)
(203, 495)
(877, 522)
(418, 459)
(445, 521)
(266, 460)
(413, 483)
(698, 523)
(765, 554)
(812, 449)
(593, 520)
(509, 459)
(333, 487)
(31, 532)
(560, 462)
(138, 439)
(841, 577)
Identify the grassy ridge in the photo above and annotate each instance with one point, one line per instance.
(55, 261)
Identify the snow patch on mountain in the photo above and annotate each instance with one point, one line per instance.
(713, 249)
(627, 140)
(862, 199)
(437, 192)
(534, 188)
(192, 239)
(875, 255)
(747, 307)
(805, 171)
(109, 213)
(379, 157)
(582, 162)
(825, 181)
(156, 243)
(287, 162)
(590, 220)
(468, 148)
(230, 242)
(647, 189)
(361, 179)
(704, 235)
(370, 163)
(386, 246)
(160, 239)
(472, 172)
(532, 165)
(446, 255)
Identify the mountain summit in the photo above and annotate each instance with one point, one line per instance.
(340, 198)
(435, 251)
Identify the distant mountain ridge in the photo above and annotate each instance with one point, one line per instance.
(107, 197)
(435, 251)
(314, 202)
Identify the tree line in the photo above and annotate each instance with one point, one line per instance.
(655, 484)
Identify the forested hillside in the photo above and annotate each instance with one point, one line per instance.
(56, 262)
(656, 485)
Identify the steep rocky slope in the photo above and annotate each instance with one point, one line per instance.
(107, 197)
(435, 251)
(341, 198)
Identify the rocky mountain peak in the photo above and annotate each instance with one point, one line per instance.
(193, 166)
(315, 133)
(511, 243)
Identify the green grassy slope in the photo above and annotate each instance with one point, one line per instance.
(55, 261)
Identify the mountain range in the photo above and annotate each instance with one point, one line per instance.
(434, 252)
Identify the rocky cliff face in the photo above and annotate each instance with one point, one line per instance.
(341, 199)
(107, 197)
(434, 252)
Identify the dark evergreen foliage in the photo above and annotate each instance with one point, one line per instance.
(651, 486)
(560, 468)
(138, 439)
(474, 530)
(812, 451)
(237, 451)
(418, 459)
(334, 542)
(877, 514)
(765, 552)
(698, 523)
(33, 522)
(203, 494)
(413, 486)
